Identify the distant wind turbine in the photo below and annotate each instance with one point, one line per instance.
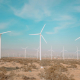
(37, 52)
(77, 38)
(77, 53)
(25, 51)
(40, 39)
(13, 54)
(8, 54)
(51, 52)
(0, 41)
(63, 52)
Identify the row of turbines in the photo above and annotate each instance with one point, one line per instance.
(63, 55)
(51, 47)
(41, 36)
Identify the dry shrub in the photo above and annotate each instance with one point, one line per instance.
(60, 68)
(72, 66)
(27, 68)
(55, 73)
(4, 77)
(33, 66)
(12, 74)
(3, 70)
(45, 63)
(28, 78)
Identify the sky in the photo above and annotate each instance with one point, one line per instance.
(24, 17)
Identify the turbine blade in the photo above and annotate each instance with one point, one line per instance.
(77, 38)
(34, 34)
(43, 38)
(42, 28)
(4, 32)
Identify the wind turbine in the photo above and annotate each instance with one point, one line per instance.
(40, 39)
(77, 53)
(63, 52)
(37, 52)
(51, 52)
(0, 41)
(25, 51)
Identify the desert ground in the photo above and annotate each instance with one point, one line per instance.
(30, 69)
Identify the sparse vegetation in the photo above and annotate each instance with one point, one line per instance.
(52, 69)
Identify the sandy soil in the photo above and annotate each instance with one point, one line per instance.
(30, 69)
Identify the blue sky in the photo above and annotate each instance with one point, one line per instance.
(24, 17)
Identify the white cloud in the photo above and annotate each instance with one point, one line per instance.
(61, 26)
(33, 11)
(36, 9)
(63, 17)
(77, 8)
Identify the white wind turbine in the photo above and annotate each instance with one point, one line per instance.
(40, 39)
(0, 41)
(25, 51)
(77, 53)
(37, 52)
(63, 52)
(51, 52)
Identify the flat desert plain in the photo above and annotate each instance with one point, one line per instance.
(30, 69)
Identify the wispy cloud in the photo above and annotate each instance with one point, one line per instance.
(77, 8)
(32, 11)
(61, 26)
(35, 9)
(63, 18)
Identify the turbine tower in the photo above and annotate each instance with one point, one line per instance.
(77, 53)
(25, 51)
(63, 52)
(40, 39)
(0, 41)
(51, 52)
